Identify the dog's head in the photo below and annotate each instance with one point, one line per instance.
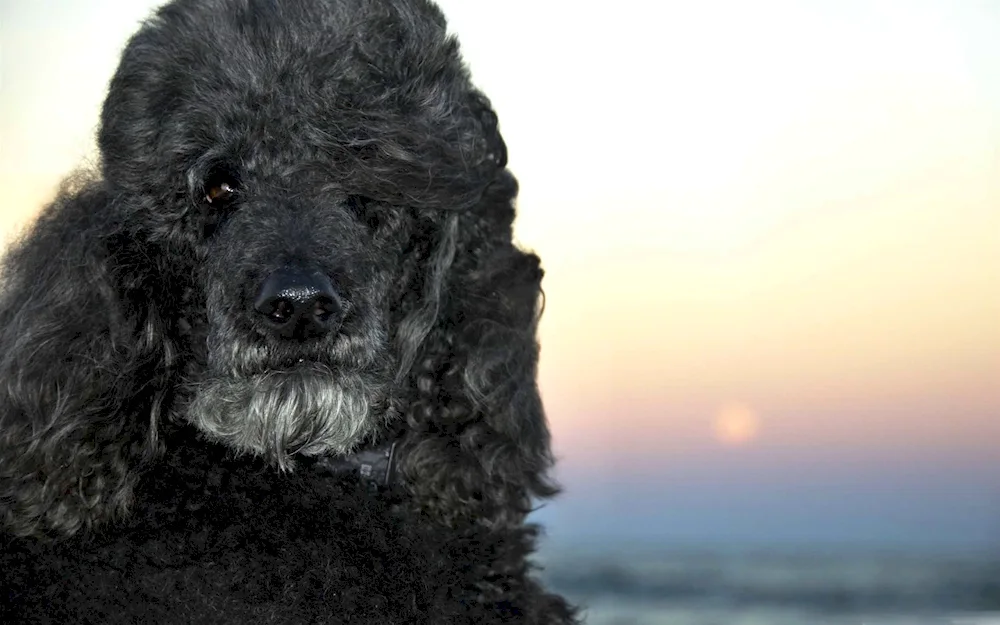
(308, 155)
(306, 244)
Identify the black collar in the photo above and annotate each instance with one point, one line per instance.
(375, 465)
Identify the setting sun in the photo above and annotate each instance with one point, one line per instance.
(736, 424)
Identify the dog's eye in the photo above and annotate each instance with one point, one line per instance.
(220, 190)
(219, 193)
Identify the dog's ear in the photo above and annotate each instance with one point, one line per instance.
(477, 446)
(82, 361)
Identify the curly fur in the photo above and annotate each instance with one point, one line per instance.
(360, 149)
(214, 540)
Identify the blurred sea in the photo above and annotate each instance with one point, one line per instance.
(639, 585)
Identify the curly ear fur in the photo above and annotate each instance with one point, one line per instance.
(81, 370)
(478, 444)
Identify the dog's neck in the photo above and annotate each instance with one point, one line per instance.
(373, 464)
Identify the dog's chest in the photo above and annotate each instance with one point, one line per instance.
(216, 540)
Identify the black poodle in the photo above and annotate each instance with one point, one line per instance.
(276, 362)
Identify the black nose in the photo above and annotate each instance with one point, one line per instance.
(299, 304)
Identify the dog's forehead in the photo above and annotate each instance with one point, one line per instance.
(374, 92)
(309, 70)
(256, 41)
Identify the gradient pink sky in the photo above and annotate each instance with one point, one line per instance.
(791, 206)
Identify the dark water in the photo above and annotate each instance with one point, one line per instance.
(639, 585)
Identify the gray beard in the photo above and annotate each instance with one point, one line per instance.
(309, 410)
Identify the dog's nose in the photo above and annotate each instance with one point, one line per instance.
(299, 304)
(497, 147)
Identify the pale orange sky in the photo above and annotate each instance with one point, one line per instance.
(790, 205)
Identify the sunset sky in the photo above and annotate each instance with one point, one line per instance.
(771, 232)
